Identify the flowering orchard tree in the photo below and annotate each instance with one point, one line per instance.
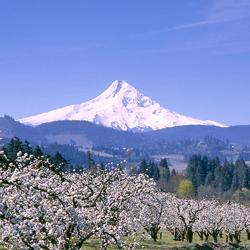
(37, 212)
(210, 221)
(44, 208)
(247, 222)
(183, 213)
(234, 220)
(110, 202)
(148, 211)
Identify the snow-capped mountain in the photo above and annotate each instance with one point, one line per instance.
(123, 107)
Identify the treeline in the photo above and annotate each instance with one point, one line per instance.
(210, 177)
(203, 177)
(166, 179)
(153, 170)
(12, 149)
(73, 159)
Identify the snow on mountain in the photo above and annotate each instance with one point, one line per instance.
(123, 107)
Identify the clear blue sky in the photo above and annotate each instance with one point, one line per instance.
(191, 56)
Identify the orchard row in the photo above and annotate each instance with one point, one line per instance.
(42, 207)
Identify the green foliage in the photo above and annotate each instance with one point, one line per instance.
(242, 196)
(186, 189)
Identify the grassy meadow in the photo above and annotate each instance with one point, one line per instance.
(166, 242)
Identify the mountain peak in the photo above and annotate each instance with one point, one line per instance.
(122, 107)
(118, 86)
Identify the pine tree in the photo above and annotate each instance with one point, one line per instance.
(27, 147)
(191, 169)
(209, 180)
(173, 173)
(37, 152)
(14, 146)
(201, 170)
(156, 174)
(143, 168)
(90, 160)
(242, 173)
(60, 164)
(164, 169)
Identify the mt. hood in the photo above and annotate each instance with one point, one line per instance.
(122, 107)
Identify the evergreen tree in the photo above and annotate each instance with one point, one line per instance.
(209, 180)
(201, 170)
(242, 172)
(156, 175)
(89, 159)
(173, 173)
(37, 152)
(193, 163)
(164, 169)
(60, 164)
(143, 168)
(164, 163)
(27, 147)
(14, 146)
(150, 169)
(223, 177)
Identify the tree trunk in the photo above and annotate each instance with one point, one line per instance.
(206, 236)
(248, 234)
(215, 236)
(189, 235)
(154, 235)
(153, 231)
(175, 234)
(221, 234)
(183, 235)
(237, 237)
(201, 235)
(231, 237)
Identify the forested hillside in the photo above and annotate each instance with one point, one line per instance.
(236, 134)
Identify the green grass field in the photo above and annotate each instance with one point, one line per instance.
(165, 243)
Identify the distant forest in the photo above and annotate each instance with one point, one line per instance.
(209, 146)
